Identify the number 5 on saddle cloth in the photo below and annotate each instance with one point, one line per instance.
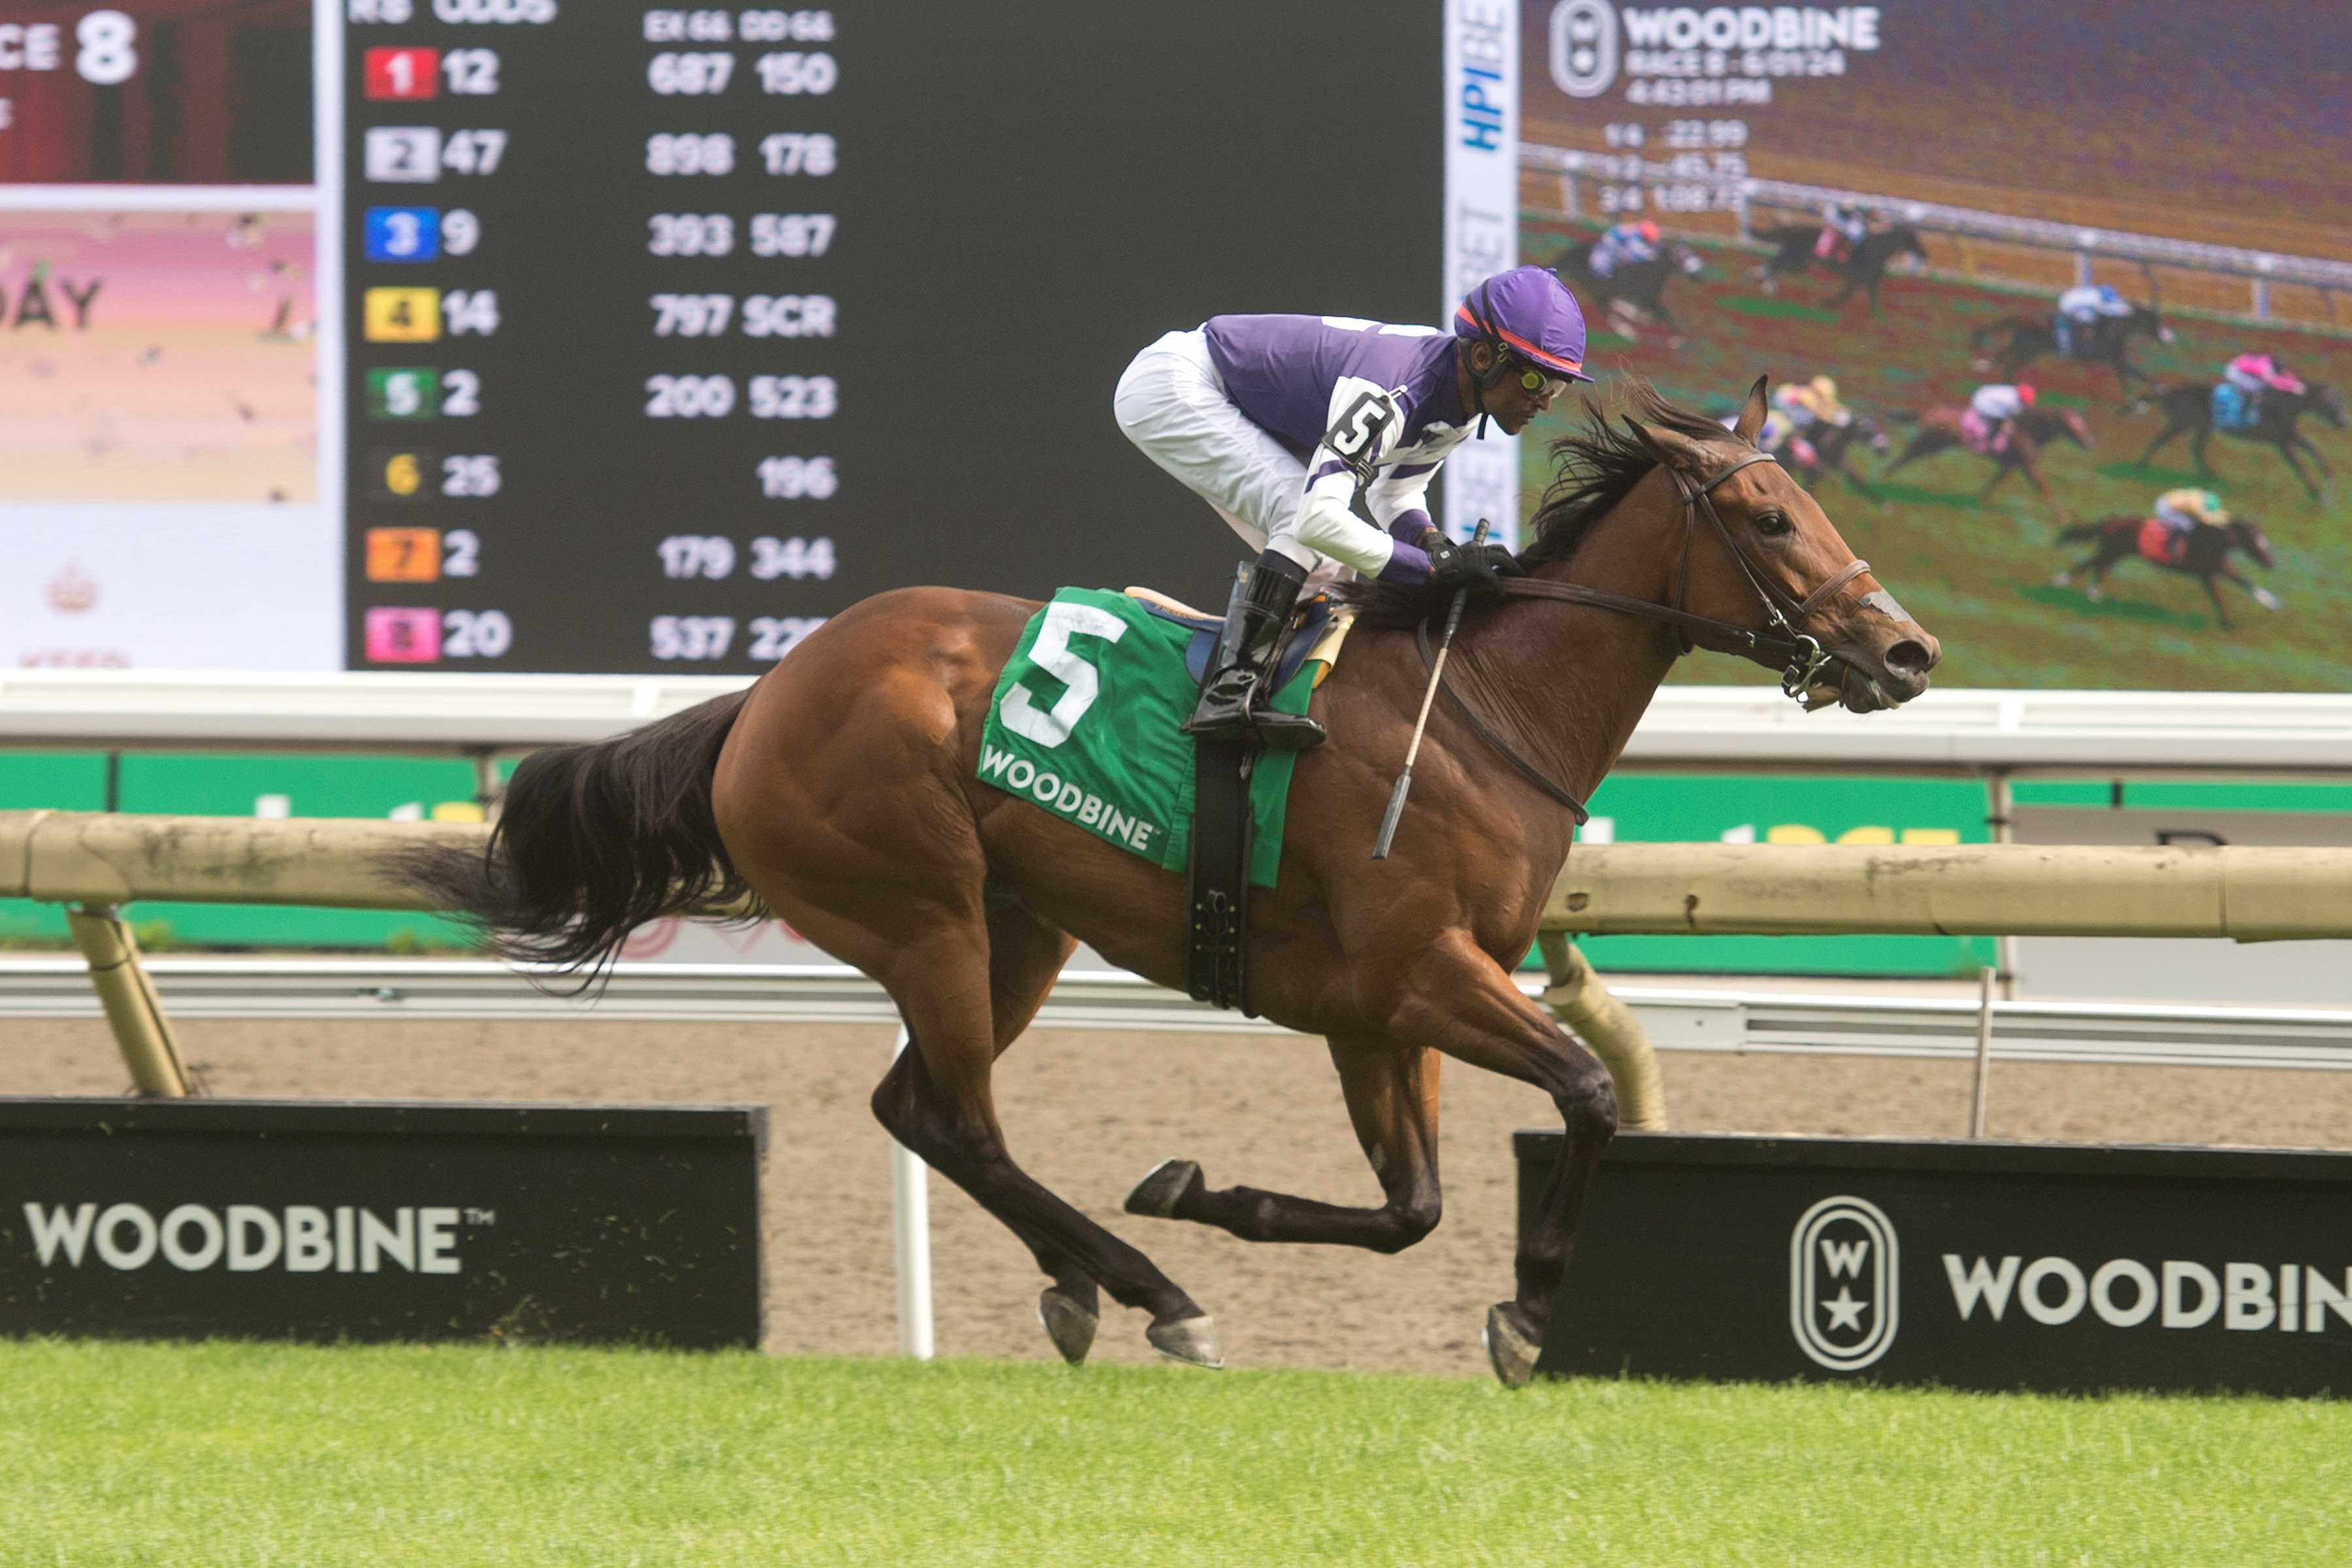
(1085, 723)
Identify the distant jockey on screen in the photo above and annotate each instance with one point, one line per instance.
(1845, 225)
(2185, 510)
(1628, 244)
(2254, 373)
(2081, 310)
(1995, 408)
(1281, 422)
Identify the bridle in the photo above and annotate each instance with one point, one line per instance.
(1781, 641)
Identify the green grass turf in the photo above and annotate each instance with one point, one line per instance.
(221, 1454)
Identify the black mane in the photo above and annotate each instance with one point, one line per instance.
(1595, 465)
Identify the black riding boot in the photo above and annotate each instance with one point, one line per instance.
(1232, 707)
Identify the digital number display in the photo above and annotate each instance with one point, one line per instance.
(608, 241)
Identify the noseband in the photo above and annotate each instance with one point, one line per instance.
(1782, 639)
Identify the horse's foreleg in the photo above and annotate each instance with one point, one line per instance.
(1459, 1001)
(2286, 451)
(2302, 443)
(2260, 595)
(2171, 433)
(2215, 594)
(1392, 1092)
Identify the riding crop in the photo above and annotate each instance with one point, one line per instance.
(1436, 673)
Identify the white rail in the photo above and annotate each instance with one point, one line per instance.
(1676, 1018)
(1955, 730)
(2262, 267)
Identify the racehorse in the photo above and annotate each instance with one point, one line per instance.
(840, 793)
(1832, 446)
(1792, 253)
(1634, 291)
(1941, 429)
(2107, 341)
(2204, 555)
(2190, 407)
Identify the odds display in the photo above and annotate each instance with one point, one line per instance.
(594, 383)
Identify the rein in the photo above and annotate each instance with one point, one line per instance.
(1779, 641)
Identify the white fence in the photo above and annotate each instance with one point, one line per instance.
(2260, 269)
(1946, 730)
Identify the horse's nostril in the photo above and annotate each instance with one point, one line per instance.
(1909, 656)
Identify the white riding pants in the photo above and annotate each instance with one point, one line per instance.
(1171, 403)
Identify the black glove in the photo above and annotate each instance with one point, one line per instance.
(1478, 566)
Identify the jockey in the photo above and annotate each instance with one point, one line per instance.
(1845, 225)
(1281, 422)
(1811, 404)
(2253, 373)
(2087, 305)
(2080, 309)
(1628, 244)
(1998, 405)
(2185, 510)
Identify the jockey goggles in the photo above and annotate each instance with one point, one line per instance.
(1535, 379)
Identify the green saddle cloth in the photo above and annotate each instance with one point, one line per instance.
(1084, 724)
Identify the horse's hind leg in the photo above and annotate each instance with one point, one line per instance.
(1392, 1092)
(938, 1102)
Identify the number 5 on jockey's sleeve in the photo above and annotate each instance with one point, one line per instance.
(1363, 432)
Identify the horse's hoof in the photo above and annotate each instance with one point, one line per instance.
(2063, 580)
(1192, 1341)
(1158, 1193)
(2094, 593)
(1511, 1348)
(1068, 1323)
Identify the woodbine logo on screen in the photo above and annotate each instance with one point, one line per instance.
(1845, 1284)
(246, 1238)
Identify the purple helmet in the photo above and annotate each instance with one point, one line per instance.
(1531, 312)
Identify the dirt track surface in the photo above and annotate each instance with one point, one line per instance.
(1089, 1112)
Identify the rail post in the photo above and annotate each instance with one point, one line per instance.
(1578, 998)
(132, 1010)
(910, 1239)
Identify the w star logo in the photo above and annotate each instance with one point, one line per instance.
(1844, 1283)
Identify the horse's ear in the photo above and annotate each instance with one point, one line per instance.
(1751, 418)
(1670, 446)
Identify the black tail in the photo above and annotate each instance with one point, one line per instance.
(2082, 531)
(593, 842)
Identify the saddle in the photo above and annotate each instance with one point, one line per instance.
(1316, 627)
(2162, 544)
(1223, 825)
(1979, 435)
(2233, 409)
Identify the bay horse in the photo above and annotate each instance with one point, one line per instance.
(840, 793)
(2188, 409)
(1865, 268)
(2205, 555)
(1634, 291)
(1942, 429)
(2107, 341)
(1832, 446)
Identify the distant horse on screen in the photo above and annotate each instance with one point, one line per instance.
(1863, 269)
(1634, 291)
(2202, 552)
(2188, 410)
(1943, 429)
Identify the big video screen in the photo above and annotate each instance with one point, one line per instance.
(2053, 296)
(584, 336)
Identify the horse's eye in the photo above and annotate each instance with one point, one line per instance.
(1772, 524)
